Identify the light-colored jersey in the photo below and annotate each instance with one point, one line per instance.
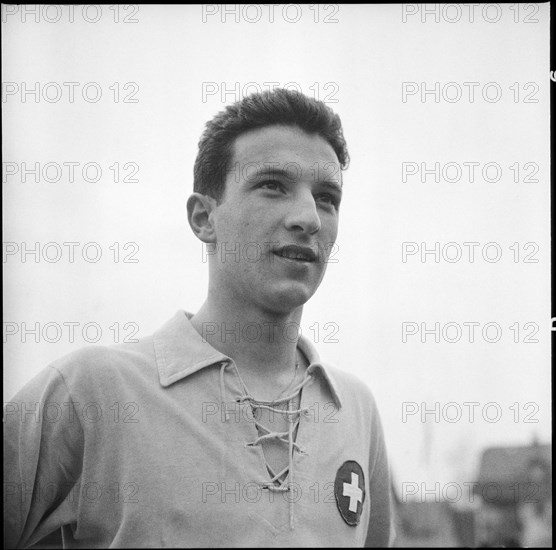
(147, 445)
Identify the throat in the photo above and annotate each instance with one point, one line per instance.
(267, 385)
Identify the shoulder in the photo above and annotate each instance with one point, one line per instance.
(100, 360)
(94, 370)
(351, 388)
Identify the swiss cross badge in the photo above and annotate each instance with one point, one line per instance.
(349, 490)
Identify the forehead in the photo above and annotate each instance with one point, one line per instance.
(282, 144)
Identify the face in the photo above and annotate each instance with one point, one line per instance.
(278, 219)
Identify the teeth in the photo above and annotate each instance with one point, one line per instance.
(294, 255)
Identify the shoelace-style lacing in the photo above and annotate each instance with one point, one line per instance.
(293, 416)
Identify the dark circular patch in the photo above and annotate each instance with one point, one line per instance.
(349, 490)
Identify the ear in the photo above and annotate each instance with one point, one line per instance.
(199, 210)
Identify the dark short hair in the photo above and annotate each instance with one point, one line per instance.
(280, 106)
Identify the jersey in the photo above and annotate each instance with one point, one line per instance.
(151, 444)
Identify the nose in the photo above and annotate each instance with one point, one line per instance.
(303, 215)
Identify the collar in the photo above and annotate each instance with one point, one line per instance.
(180, 351)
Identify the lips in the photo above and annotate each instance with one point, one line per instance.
(296, 253)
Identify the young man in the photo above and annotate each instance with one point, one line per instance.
(223, 428)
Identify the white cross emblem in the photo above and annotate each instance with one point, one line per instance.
(352, 491)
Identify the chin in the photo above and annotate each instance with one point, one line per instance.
(284, 298)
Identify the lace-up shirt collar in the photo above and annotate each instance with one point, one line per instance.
(181, 351)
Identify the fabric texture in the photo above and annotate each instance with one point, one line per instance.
(131, 446)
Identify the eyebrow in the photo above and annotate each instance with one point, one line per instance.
(270, 171)
(332, 185)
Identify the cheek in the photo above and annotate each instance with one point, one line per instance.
(329, 232)
(256, 224)
(228, 225)
(329, 227)
(243, 227)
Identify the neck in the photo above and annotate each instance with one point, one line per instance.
(261, 343)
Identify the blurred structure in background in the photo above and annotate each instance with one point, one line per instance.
(515, 489)
(509, 505)
(424, 524)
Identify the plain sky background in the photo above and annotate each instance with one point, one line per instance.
(357, 59)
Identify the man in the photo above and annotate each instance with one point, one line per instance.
(223, 428)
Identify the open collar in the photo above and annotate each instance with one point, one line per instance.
(181, 351)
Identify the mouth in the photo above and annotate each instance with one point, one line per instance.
(296, 253)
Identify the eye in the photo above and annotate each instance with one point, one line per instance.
(328, 198)
(272, 185)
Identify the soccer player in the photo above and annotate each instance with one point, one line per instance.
(224, 428)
